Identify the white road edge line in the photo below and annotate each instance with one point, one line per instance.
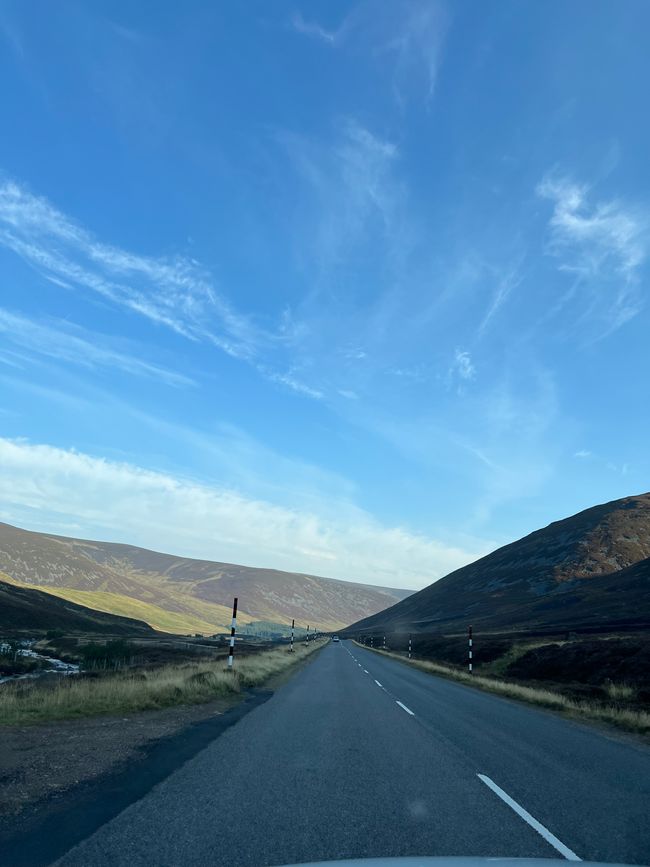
(525, 815)
(404, 707)
(378, 684)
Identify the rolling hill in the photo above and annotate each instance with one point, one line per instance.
(23, 608)
(179, 594)
(590, 570)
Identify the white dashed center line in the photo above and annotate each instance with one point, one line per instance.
(365, 671)
(404, 707)
(525, 815)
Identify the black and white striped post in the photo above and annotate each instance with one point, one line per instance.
(410, 647)
(233, 626)
(384, 642)
(293, 623)
(470, 649)
(372, 640)
(307, 636)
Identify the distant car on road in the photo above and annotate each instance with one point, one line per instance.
(335, 638)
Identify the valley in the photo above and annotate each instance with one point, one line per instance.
(179, 594)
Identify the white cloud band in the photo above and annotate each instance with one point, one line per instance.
(66, 491)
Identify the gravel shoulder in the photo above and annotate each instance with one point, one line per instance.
(41, 763)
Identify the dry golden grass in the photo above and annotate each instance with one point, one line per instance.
(190, 683)
(627, 718)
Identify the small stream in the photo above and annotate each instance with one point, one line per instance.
(51, 666)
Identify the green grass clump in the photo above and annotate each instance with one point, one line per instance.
(149, 689)
(619, 691)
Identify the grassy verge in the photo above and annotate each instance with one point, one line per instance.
(190, 683)
(631, 720)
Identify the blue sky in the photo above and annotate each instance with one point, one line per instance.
(356, 289)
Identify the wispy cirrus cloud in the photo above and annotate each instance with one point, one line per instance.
(463, 364)
(602, 244)
(164, 512)
(313, 28)
(171, 292)
(403, 37)
(420, 29)
(351, 193)
(175, 293)
(289, 379)
(352, 238)
(612, 466)
(72, 344)
(461, 369)
(506, 283)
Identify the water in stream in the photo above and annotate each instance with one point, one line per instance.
(51, 665)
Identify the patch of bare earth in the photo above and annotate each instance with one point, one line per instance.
(42, 762)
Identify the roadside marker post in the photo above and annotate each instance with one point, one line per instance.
(384, 642)
(233, 626)
(470, 650)
(410, 647)
(293, 623)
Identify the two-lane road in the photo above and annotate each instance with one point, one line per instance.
(359, 755)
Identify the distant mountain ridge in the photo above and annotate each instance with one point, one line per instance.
(589, 569)
(181, 593)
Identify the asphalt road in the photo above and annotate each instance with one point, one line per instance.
(333, 766)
